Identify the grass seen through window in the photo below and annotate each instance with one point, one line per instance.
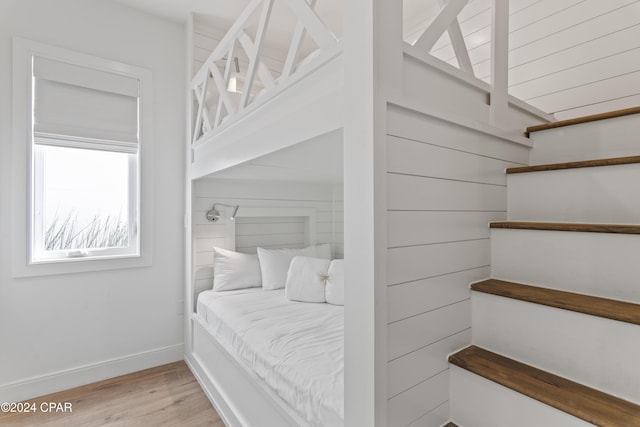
(101, 232)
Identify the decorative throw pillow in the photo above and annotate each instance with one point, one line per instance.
(306, 279)
(274, 263)
(235, 270)
(334, 291)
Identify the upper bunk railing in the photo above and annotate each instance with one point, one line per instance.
(217, 100)
(216, 94)
(446, 19)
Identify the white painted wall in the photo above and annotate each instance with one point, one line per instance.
(63, 331)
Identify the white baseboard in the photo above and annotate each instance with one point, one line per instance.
(87, 374)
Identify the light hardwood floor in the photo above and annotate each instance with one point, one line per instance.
(168, 395)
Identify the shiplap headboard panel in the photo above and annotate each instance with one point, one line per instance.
(270, 215)
(267, 232)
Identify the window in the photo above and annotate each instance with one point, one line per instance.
(84, 151)
(85, 162)
(85, 203)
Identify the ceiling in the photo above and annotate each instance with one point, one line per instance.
(178, 10)
(223, 13)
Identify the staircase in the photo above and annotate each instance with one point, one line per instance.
(556, 330)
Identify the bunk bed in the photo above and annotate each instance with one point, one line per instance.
(275, 111)
(234, 337)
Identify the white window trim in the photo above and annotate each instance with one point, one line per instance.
(23, 51)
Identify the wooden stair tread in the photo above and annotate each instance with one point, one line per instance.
(585, 119)
(595, 306)
(575, 165)
(583, 402)
(568, 226)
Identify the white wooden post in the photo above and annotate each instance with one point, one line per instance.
(500, 64)
(373, 50)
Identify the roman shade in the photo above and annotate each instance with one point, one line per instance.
(75, 106)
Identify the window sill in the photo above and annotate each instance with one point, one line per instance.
(79, 265)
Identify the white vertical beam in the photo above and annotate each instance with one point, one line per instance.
(189, 291)
(373, 67)
(500, 64)
(359, 228)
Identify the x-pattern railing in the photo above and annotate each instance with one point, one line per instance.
(446, 20)
(212, 84)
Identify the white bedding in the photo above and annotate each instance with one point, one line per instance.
(297, 348)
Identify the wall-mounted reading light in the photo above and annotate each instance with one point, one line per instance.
(213, 215)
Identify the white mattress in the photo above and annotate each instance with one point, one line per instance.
(297, 348)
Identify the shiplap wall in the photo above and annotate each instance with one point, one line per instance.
(326, 199)
(445, 184)
(562, 54)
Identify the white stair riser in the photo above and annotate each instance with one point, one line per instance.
(608, 194)
(601, 264)
(617, 137)
(597, 352)
(478, 402)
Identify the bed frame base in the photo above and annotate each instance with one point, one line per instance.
(238, 395)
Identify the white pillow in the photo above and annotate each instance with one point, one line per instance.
(274, 263)
(235, 270)
(334, 291)
(306, 279)
(323, 251)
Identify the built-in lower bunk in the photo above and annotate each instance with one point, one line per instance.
(295, 348)
(265, 356)
(267, 336)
